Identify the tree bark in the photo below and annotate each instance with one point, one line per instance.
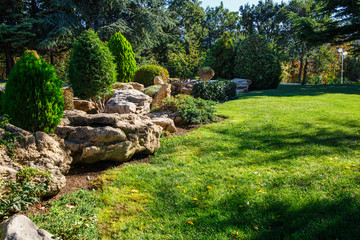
(9, 62)
(52, 57)
(301, 67)
(305, 72)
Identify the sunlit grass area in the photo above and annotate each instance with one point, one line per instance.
(283, 165)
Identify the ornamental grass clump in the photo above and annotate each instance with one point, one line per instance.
(92, 70)
(124, 57)
(33, 97)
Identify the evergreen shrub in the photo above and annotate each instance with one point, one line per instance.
(190, 109)
(124, 57)
(33, 97)
(146, 74)
(92, 70)
(219, 91)
(221, 57)
(256, 60)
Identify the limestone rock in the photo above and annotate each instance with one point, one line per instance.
(129, 101)
(164, 92)
(84, 105)
(20, 227)
(178, 121)
(108, 136)
(166, 123)
(186, 88)
(40, 151)
(158, 81)
(126, 86)
(242, 85)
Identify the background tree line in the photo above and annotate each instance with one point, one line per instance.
(179, 34)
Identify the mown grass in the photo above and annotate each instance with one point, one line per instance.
(2, 83)
(283, 165)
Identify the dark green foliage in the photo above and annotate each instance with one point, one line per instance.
(257, 61)
(8, 139)
(192, 110)
(92, 70)
(124, 57)
(146, 74)
(221, 57)
(72, 217)
(33, 98)
(344, 26)
(220, 91)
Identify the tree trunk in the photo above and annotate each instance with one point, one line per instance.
(301, 67)
(52, 57)
(305, 72)
(9, 62)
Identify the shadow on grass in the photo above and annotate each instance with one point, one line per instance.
(279, 220)
(309, 90)
(286, 144)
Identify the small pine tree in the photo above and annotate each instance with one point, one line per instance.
(92, 70)
(221, 57)
(124, 57)
(33, 97)
(256, 60)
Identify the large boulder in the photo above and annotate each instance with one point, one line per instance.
(131, 85)
(186, 87)
(84, 105)
(129, 101)
(158, 81)
(104, 136)
(20, 227)
(159, 119)
(242, 85)
(167, 124)
(40, 151)
(164, 92)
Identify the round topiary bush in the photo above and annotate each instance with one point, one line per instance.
(124, 57)
(221, 57)
(33, 97)
(146, 74)
(206, 73)
(256, 60)
(92, 70)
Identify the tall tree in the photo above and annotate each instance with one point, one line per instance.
(303, 18)
(267, 18)
(344, 25)
(142, 22)
(17, 30)
(218, 21)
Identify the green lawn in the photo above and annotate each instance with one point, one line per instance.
(2, 83)
(283, 165)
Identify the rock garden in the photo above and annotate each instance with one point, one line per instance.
(101, 116)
